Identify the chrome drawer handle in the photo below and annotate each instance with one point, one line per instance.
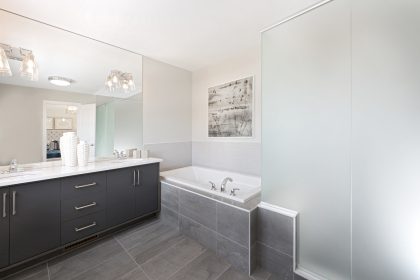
(138, 177)
(4, 204)
(84, 206)
(85, 186)
(14, 203)
(86, 227)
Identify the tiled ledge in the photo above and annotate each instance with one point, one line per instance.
(223, 228)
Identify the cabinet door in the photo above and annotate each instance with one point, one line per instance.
(34, 220)
(4, 227)
(147, 191)
(120, 199)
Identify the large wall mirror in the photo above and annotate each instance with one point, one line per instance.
(53, 81)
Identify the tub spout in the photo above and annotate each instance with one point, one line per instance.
(224, 182)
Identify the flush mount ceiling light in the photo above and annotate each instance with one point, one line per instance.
(28, 67)
(60, 81)
(118, 80)
(71, 109)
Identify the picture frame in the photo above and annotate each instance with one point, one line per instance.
(63, 123)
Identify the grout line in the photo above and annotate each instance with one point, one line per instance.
(268, 246)
(187, 263)
(223, 272)
(131, 257)
(131, 247)
(136, 230)
(163, 251)
(217, 233)
(48, 271)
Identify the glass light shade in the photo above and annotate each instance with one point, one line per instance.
(4, 64)
(118, 80)
(29, 67)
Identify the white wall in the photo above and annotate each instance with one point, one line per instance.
(226, 153)
(167, 113)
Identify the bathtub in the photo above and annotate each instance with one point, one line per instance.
(195, 178)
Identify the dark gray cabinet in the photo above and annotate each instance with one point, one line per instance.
(4, 227)
(43, 216)
(83, 204)
(132, 192)
(34, 219)
(120, 195)
(147, 190)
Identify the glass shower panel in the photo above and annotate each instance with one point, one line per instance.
(306, 111)
(386, 139)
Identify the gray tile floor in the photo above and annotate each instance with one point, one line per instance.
(152, 251)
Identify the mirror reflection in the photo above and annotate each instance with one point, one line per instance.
(53, 82)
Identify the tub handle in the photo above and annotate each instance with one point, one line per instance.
(213, 186)
(232, 192)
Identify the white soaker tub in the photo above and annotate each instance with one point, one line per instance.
(197, 178)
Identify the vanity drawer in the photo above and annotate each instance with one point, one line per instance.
(83, 185)
(84, 205)
(82, 227)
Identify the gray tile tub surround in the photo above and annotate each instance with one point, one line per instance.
(273, 248)
(220, 227)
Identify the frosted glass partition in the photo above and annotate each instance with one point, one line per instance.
(386, 145)
(306, 105)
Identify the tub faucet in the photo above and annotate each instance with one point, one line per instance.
(213, 186)
(224, 182)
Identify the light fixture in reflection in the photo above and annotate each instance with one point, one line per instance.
(72, 109)
(29, 67)
(117, 80)
(5, 70)
(60, 81)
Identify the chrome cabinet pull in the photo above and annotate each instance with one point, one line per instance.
(4, 204)
(85, 186)
(84, 228)
(78, 208)
(14, 203)
(138, 177)
(134, 178)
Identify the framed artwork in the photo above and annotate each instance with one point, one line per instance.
(63, 123)
(230, 109)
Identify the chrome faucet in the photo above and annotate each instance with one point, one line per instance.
(224, 182)
(13, 167)
(233, 191)
(213, 186)
(119, 155)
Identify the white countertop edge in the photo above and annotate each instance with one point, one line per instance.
(55, 172)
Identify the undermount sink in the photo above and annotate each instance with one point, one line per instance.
(124, 160)
(14, 174)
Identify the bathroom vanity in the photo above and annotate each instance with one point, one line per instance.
(51, 208)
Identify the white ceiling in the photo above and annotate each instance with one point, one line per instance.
(190, 34)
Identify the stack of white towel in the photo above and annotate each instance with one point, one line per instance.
(73, 152)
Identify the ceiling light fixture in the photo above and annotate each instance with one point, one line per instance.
(60, 81)
(5, 70)
(118, 80)
(71, 109)
(28, 67)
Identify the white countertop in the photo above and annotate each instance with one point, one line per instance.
(46, 171)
